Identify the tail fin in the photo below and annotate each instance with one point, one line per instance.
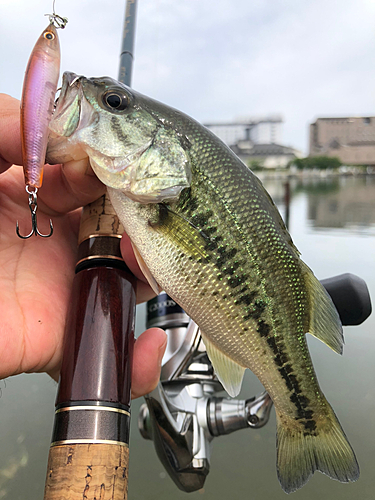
(300, 454)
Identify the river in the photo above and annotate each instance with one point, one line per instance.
(332, 222)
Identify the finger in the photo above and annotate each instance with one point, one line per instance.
(148, 354)
(69, 186)
(144, 292)
(10, 137)
(65, 187)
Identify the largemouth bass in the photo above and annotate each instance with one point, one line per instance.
(206, 231)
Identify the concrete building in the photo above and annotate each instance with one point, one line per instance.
(256, 140)
(265, 155)
(352, 139)
(261, 130)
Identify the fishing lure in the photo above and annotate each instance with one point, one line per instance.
(37, 102)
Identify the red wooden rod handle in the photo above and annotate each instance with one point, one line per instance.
(90, 444)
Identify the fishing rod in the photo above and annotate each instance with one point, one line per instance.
(89, 452)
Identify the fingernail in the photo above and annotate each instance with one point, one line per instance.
(161, 351)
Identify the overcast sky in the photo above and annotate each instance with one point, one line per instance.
(215, 59)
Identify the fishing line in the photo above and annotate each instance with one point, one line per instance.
(58, 21)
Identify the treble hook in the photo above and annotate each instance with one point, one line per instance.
(33, 205)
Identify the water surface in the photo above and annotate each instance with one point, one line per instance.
(332, 222)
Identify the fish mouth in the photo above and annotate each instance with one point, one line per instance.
(72, 112)
(68, 113)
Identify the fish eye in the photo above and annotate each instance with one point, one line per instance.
(115, 100)
(48, 35)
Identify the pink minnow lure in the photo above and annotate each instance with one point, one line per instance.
(38, 96)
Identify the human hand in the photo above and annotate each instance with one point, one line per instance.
(36, 275)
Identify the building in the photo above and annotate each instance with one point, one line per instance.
(261, 130)
(265, 155)
(256, 141)
(352, 139)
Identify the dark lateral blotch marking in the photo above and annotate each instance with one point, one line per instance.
(211, 245)
(263, 328)
(234, 281)
(222, 250)
(230, 270)
(231, 253)
(278, 360)
(210, 230)
(294, 399)
(258, 308)
(304, 401)
(224, 255)
(272, 343)
(310, 425)
(309, 414)
(292, 377)
(288, 383)
(295, 383)
(281, 358)
(301, 403)
(220, 261)
(246, 298)
(201, 219)
(260, 305)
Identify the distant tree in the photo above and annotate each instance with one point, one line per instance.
(255, 165)
(319, 162)
(323, 162)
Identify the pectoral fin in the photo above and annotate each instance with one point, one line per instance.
(228, 371)
(145, 270)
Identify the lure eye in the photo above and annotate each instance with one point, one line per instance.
(48, 35)
(115, 100)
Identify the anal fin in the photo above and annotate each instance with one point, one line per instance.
(228, 371)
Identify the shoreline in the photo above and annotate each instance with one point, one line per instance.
(314, 173)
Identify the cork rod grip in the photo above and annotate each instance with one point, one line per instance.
(87, 471)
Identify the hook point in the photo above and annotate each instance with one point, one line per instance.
(33, 205)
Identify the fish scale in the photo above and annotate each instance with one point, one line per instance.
(248, 307)
(217, 245)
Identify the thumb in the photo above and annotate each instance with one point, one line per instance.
(149, 349)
